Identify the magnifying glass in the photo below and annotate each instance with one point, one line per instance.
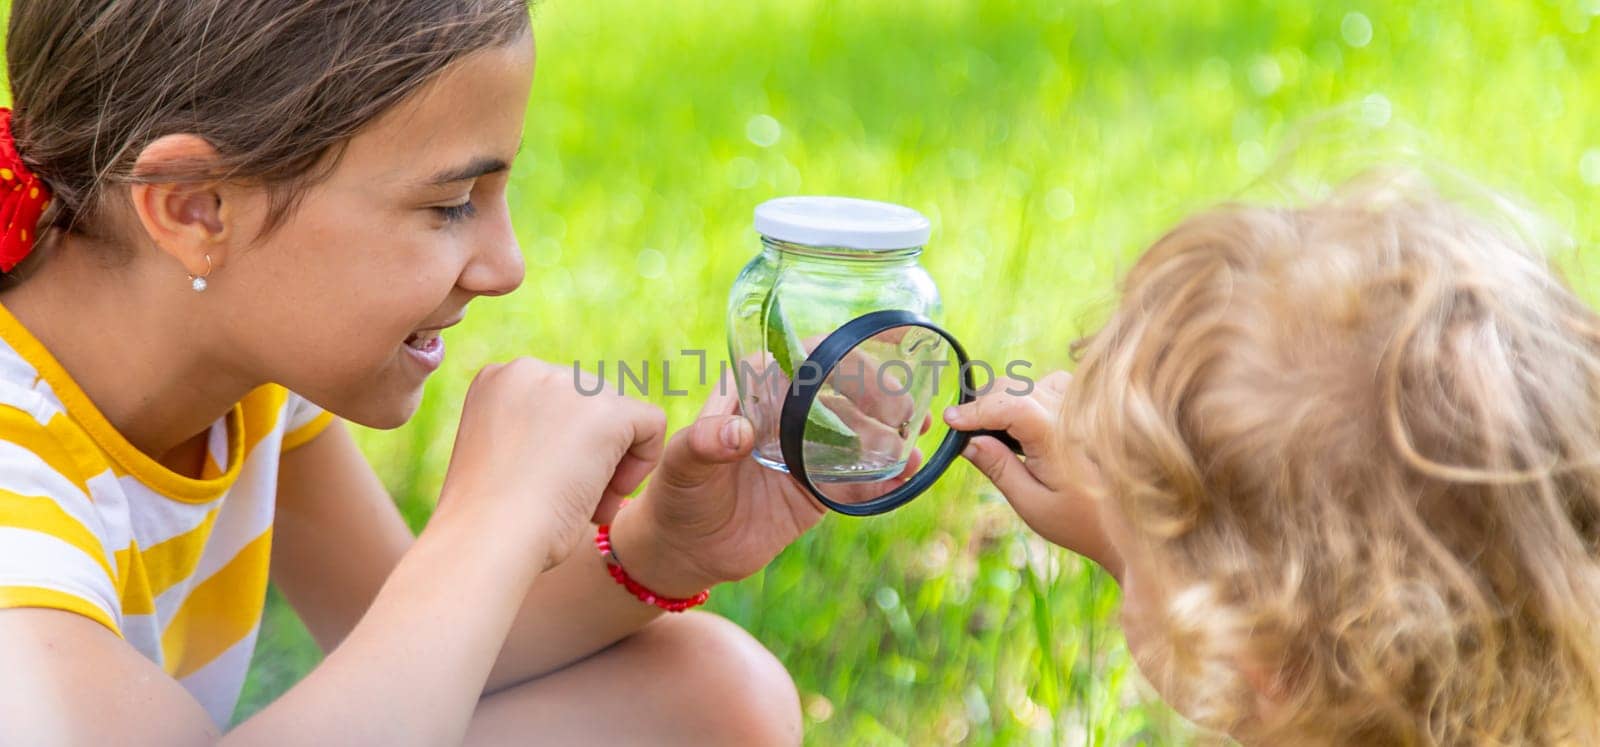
(861, 404)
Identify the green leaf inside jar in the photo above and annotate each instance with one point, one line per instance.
(822, 425)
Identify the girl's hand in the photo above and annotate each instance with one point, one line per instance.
(1046, 487)
(711, 513)
(533, 452)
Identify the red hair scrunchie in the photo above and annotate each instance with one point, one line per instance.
(23, 198)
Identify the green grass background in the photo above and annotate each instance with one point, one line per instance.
(1049, 141)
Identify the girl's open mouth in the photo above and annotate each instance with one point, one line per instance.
(421, 340)
(426, 348)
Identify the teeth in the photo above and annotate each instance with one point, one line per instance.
(420, 340)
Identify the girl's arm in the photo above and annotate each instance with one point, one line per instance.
(412, 669)
(533, 462)
(338, 534)
(409, 673)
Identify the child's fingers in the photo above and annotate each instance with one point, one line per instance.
(696, 453)
(724, 397)
(878, 391)
(1024, 416)
(629, 474)
(1054, 385)
(875, 435)
(848, 493)
(1002, 467)
(606, 510)
(1052, 390)
(647, 426)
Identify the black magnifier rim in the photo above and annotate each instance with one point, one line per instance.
(802, 394)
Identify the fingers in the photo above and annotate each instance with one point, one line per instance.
(695, 453)
(861, 492)
(875, 390)
(875, 436)
(606, 510)
(630, 472)
(913, 463)
(1003, 468)
(880, 391)
(877, 378)
(1026, 417)
(1054, 384)
(648, 425)
(724, 398)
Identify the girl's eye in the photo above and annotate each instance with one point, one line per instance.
(454, 213)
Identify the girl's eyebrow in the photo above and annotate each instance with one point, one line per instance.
(475, 168)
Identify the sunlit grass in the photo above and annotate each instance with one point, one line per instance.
(1049, 141)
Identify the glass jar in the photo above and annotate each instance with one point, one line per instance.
(822, 262)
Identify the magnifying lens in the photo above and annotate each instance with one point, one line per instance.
(860, 407)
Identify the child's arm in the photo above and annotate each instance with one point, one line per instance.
(410, 673)
(1047, 486)
(533, 458)
(710, 514)
(337, 536)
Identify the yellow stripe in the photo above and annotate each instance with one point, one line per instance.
(219, 612)
(304, 433)
(20, 428)
(35, 596)
(88, 455)
(135, 592)
(262, 408)
(45, 516)
(175, 558)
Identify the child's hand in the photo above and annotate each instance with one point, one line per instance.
(1047, 487)
(532, 451)
(711, 513)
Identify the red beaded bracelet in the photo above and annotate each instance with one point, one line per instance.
(602, 541)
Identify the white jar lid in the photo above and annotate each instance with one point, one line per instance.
(842, 221)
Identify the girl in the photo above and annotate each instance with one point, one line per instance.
(1344, 461)
(228, 228)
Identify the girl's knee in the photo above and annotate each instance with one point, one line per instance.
(728, 687)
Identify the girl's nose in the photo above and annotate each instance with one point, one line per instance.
(498, 267)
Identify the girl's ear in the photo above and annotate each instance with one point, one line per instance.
(186, 221)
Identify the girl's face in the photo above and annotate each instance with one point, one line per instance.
(410, 226)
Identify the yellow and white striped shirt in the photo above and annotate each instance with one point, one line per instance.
(176, 566)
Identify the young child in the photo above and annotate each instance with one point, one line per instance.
(1344, 461)
(227, 227)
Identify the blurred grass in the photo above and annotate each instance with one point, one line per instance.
(1049, 141)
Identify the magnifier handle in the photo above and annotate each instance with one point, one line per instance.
(1003, 437)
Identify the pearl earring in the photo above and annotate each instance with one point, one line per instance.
(199, 283)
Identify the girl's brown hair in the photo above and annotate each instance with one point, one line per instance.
(1360, 443)
(276, 86)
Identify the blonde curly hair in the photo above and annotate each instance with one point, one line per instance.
(1360, 442)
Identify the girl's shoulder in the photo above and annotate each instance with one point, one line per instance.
(56, 546)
